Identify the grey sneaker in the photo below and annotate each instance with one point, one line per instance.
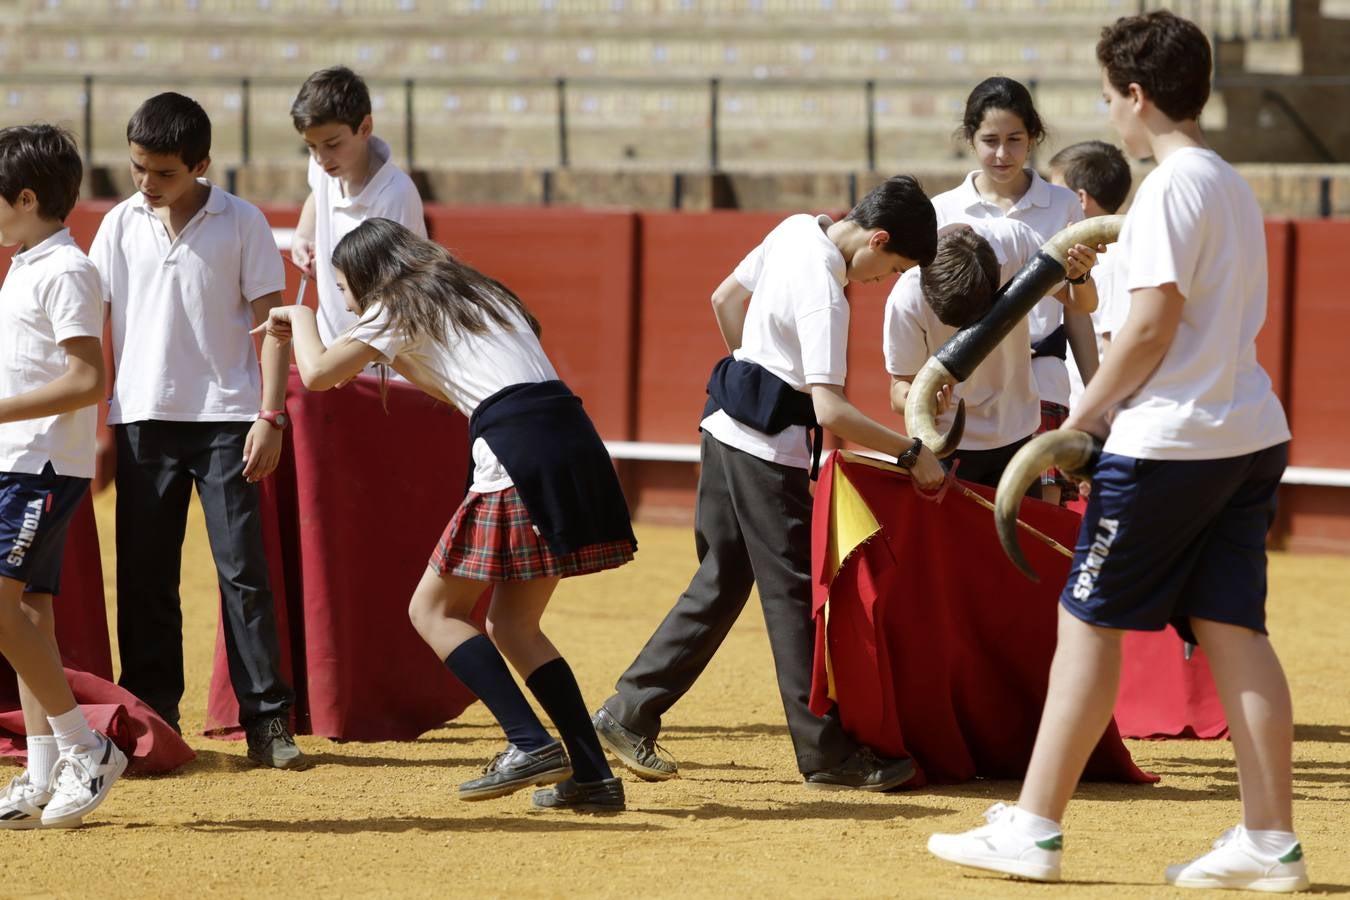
(863, 771)
(513, 769)
(270, 744)
(641, 754)
(590, 796)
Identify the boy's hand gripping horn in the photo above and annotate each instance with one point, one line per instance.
(1067, 449)
(962, 354)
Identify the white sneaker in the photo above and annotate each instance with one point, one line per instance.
(81, 780)
(1001, 846)
(1237, 864)
(22, 802)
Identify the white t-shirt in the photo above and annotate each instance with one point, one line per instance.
(390, 194)
(796, 327)
(51, 294)
(1002, 405)
(465, 372)
(1196, 223)
(1047, 208)
(1112, 306)
(180, 309)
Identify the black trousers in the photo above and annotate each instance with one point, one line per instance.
(752, 527)
(986, 466)
(157, 465)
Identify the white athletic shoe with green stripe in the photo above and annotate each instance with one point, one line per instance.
(1001, 846)
(1237, 864)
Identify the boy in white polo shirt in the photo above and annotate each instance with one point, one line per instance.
(753, 516)
(928, 306)
(51, 376)
(1184, 491)
(187, 270)
(352, 177)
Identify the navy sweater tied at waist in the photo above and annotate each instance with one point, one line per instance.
(754, 396)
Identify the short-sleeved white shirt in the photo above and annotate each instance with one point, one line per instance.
(390, 194)
(796, 327)
(466, 370)
(1106, 319)
(1002, 405)
(1195, 223)
(1047, 208)
(180, 309)
(51, 294)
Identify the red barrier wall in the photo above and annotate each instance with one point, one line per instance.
(574, 269)
(1319, 406)
(1272, 342)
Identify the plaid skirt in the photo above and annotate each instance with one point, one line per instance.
(491, 538)
(1053, 416)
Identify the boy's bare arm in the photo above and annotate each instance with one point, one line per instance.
(729, 305)
(1136, 350)
(833, 411)
(1082, 341)
(79, 386)
(262, 447)
(900, 385)
(302, 240)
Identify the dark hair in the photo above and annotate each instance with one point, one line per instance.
(43, 159)
(961, 281)
(1001, 93)
(1098, 168)
(1166, 55)
(172, 124)
(425, 291)
(335, 94)
(900, 208)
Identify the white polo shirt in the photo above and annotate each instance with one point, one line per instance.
(1002, 405)
(1195, 223)
(51, 294)
(1047, 208)
(389, 194)
(796, 327)
(180, 309)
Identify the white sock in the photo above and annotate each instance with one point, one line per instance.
(72, 730)
(1271, 843)
(42, 753)
(1033, 825)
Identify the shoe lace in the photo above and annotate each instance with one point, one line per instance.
(649, 747)
(19, 786)
(71, 771)
(496, 761)
(275, 730)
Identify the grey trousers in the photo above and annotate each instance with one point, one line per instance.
(157, 465)
(752, 527)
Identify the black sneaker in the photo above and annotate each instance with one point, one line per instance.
(270, 744)
(638, 753)
(513, 769)
(590, 796)
(863, 771)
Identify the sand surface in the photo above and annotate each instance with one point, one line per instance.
(380, 820)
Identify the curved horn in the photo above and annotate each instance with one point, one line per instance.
(921, 410)
(1066, 449)
(1094, 231)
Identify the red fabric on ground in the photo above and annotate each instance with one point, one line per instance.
(356, 507)
(939, 648)
(1164, 695)
(82, 634)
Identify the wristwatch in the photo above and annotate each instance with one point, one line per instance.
(907, 459)
(277, 418)
(1081, 279)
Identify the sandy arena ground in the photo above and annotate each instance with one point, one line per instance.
(379, 820)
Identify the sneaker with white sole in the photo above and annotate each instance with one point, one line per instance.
(81, 780)
(1001, 846)
(22, 802)
(1237, 864)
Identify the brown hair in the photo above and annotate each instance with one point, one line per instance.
(961, 281)
(1098, 168)
(335, 94)
(1166, 55)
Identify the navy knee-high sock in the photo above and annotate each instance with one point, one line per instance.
(479, 664)
(555, 687)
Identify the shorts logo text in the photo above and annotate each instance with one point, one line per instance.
(1097, 553)
(32, 516)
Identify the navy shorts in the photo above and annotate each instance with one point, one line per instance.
(35, 511)
(1166, 540)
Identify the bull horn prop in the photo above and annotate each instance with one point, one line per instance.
(955, 360)
(1066, 449)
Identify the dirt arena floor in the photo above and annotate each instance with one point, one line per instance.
(379, 820)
